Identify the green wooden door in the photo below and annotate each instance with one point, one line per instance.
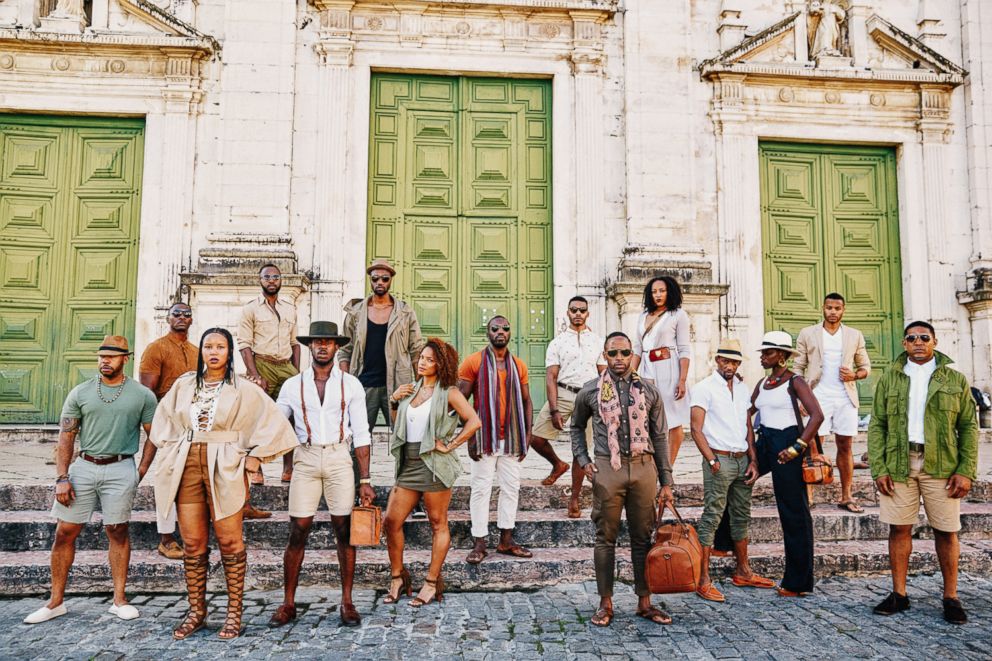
(460, 200)
(830, 223)
(69, 205)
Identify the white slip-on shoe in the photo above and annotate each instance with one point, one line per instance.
(125, 612)
(44, 614)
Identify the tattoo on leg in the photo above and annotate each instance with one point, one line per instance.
(70, 425)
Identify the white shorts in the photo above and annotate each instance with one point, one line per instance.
(840, 416)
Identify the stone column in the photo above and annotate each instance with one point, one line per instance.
(857, 31)
(978, 300)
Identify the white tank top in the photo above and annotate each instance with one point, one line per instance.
(416, 421)
(775, 407)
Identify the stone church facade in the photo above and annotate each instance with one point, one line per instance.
(504, 154)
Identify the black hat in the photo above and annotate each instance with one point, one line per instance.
(323, 330)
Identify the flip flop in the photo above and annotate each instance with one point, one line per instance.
(602, 618)
(753, 581)
(555, 474)
(476, 556)
(516, 551)
(850, 506)
(655, 615)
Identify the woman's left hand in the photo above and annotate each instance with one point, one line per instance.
(680, 390)
(786, 455)
(253, 465)
(440, 446)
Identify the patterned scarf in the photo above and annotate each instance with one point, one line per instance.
(611, 411)
(487, 386)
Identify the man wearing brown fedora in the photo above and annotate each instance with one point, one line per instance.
(268, 346)
(385, 341)
(106, 413)
(327, 408)
(721, 428)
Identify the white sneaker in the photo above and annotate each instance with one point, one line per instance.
(44, 614)
(125, 612)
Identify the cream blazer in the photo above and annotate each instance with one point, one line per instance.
(247, 423)
(808, 363)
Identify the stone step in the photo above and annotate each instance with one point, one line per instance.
(28, 572)
(533, 496)
(34, 530)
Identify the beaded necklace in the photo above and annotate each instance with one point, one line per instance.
(99, 391)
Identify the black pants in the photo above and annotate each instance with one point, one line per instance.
(793, 506)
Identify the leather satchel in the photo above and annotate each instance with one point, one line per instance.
(674, 562)
(814, 471)
(366, 526)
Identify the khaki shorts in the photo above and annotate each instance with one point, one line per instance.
(903, 508)
(566, 404)
(110, 487)
(322, 470)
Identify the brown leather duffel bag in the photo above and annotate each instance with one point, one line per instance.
(674, 561)
(366, 526)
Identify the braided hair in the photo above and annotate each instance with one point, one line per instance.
(201, 367)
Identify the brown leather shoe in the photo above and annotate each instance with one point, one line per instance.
(250, 512)
(283, 615)
(350, 616)
(172, 550)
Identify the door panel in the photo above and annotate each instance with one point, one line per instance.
(460, 200)
(830, 223)
(69, 205)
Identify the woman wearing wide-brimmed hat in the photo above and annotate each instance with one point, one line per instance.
(782, 442)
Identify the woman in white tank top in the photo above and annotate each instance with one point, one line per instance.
(780, 447)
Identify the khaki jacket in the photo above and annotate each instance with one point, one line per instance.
(403, 341)
(809, 361)
(246, 423)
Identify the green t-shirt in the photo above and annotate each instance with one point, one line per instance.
(109, 429)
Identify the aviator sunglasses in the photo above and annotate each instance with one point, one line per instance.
(578, 310)
(493, 329)
(182, 313)
(380, 278)
(612, 353)
(913, 338)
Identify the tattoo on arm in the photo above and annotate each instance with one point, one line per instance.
(70, 425)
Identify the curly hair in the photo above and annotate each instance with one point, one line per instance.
(446, 359)
(673, 300)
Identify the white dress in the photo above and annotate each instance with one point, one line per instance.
(671, 331)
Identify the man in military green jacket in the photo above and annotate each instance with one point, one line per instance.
(923, 443)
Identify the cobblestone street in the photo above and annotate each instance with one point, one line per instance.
(551, 623)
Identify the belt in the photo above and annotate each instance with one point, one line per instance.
(569, 388)
(194, 436)
(916, 447)
(271, 359)
(726, 453)
(103, 461)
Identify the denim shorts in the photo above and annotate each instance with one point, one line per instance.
(110, 487)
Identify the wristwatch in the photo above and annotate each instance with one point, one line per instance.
(365, 480)
(714, 461)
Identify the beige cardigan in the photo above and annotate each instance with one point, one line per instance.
(246, 423)
(809, 361)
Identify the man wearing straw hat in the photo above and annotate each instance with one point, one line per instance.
(107, 413)
(722, 431)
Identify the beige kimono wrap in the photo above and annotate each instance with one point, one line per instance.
(246, 423)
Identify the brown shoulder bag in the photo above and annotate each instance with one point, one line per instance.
(814, 471)
(674, 562)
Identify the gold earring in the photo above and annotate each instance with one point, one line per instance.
(782, 363)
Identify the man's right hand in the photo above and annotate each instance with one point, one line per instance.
(715, 468)
(64, 493)
(885, 486)
(590, 470)
(258, 381)
(557, 421)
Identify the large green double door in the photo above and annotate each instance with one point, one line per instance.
(69, 208)
(460, 201)
(830, 224)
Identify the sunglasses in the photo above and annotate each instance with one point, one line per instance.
(578, 310)
(493, 329)
(270, 278)
(380, 278)
(612, 353)
(178, 313)
(913, 338)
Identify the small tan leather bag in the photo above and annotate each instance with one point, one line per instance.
(674, 562)
(366, 526)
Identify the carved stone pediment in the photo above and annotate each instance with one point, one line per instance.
(890, 54)
(154, 19)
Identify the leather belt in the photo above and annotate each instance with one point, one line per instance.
(569, 388)
(727, 453)
(103, 461)
(272, 360)
(916, 447)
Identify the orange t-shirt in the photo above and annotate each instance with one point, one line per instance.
(469, 371)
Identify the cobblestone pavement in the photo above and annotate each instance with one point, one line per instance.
(552, 623)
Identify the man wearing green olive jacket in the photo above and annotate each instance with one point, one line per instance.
(923, 443)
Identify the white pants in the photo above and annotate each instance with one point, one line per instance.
(166, 525)
(507, 471)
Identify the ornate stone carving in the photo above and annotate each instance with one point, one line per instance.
(831, 97)
(6, 61)
(786, 95)
(549, 30)
(60, 64)
(116, 66)
(877, 99)
(374, 23)
(830, 19)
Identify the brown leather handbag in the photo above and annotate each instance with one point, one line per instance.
(674, 562)
(366, 526)
(814, 471)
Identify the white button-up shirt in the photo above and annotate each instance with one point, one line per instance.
(325, 419)
(725, 426)
(919, 383)
(576, 355)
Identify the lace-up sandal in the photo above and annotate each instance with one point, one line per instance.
(235, 567)
(196, 568)
(406, 585)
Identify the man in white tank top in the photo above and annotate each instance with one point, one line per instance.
(832, 358)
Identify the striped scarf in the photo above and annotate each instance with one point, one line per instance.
(487, 385)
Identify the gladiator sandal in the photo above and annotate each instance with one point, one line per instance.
(196, 567)
(235, 566)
